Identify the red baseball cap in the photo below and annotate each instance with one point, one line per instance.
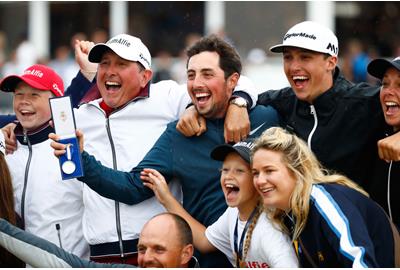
(37, 76)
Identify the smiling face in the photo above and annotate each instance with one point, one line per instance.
(272, 179)
(390, 97)
(207, 87)
(120, 80)
(237, 184)
(309, 73)
(159, 245)
(31, 106)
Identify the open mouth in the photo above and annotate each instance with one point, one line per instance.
(231, 191)
(26, 113)
(391, 107)
(202, 97)
(300, 81)
(113, 86)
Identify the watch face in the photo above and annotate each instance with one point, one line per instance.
(240, 102)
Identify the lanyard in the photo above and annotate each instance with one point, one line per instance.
(239, 249)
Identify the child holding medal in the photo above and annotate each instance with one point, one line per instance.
(243, 233)
(48, 207)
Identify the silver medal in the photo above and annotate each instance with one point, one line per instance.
(68, 166)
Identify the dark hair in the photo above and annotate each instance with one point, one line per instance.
(229, 59)
(6, 193)
(183, 228)
(7, 212)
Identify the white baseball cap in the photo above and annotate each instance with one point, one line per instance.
(311, 36)
(2, 143)
(125, 46)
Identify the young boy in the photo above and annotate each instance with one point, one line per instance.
(48, 207)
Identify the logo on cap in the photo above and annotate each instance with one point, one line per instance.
(120, 41)
(305, 35)
(332, 48)
(33, 72)
(248, 144)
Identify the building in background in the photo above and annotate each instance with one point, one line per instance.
(252, 26)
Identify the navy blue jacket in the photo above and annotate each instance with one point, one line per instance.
(186, 159)
(345, 229)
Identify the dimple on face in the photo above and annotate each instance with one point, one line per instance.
(31, 106)
(390, 97)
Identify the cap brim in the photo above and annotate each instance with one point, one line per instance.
(9, 83)
(378, 67)
(220, 152)
(97, 52)
(277, 48)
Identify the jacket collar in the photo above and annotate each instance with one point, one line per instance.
(325, 104)
(36, 136)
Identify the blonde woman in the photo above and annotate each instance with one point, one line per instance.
(331, 220)
(243, 232)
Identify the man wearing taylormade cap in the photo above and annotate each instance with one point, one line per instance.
(47, 206)
(340, 121)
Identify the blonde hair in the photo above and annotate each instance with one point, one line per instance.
(306, 169)
(246, 246)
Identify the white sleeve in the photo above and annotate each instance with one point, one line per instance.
(276, 246)
(178, 97)
(219, 236)
(246, 85)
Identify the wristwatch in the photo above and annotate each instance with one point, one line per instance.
(239, 101)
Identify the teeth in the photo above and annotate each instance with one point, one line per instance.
(25, 111)
(229, 186)
(300, 78)
(112, 83)
(199, 95)
(266, 190)
(391, 103)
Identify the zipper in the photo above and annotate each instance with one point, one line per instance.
(28, 163)
(388, 191)
(58, 228)
(314, 114)
(117, 210)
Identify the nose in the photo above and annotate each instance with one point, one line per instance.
(198, 81)
(147, 257)
(259, 180)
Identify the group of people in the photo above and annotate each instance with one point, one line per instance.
(309, 182)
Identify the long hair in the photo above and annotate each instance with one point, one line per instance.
(7, 211)
(306, 169)
(6, 193)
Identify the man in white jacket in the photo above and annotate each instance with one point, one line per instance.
(48, 207)
(120, 128)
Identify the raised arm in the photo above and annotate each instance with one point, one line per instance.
(84, 80)
(156, 182)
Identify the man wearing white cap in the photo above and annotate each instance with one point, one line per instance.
(340, 121)
(47, 206)
(119, 129)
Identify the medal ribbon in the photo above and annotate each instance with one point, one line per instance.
(239, 249)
